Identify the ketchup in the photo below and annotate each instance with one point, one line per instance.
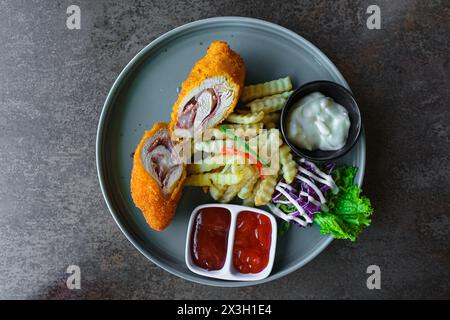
(252, 242)
(210, 238)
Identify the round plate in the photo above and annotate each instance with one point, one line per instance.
(144, 93)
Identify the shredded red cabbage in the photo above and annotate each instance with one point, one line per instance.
(307, 200)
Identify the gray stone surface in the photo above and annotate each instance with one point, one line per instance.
(54, 82)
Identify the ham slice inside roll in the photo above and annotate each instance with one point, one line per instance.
(205, 106)
(161, 161)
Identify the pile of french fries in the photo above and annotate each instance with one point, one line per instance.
(252, 133)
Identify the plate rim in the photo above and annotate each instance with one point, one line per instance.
(116, 88)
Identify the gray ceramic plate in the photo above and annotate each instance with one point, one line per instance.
(144, 93)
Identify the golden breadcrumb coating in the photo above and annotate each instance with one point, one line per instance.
(157, 208)
(219, 60)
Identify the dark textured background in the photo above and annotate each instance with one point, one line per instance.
(54, 82)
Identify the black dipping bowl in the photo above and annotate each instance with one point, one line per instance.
(341, 95)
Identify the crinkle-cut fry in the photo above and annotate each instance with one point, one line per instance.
(247, 118)
(212, 133)
(269, 104)
(271, 117)
(273, 148)
(226, 178)
(266, 89)
(235, 127)
(288, 165)
(265, 191)
(215, 146)
(247, 133)
(217, 191)
(249, 183)
(238, 168)
(233, 190)
(245, 130)
(202, 167)
(199, 180)
(225, 159)
(250, 201)
(275, 140)
(206, 179)
(230, 193)
(265, 136)
(266, 142)
(241, 130)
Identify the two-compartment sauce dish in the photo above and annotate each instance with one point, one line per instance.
(231, 242)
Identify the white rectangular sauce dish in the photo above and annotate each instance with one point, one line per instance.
(228, 271)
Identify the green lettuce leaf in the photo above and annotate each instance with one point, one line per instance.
(348, 212)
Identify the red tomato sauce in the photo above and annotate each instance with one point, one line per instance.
(252, 242)
(210, 238)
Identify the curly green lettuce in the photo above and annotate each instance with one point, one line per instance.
(348, 212)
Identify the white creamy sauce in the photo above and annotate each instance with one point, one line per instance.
(318, 122)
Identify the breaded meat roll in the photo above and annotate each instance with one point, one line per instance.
(157, 177)
(210, 93)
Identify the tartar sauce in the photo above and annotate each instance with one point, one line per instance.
(318, 122)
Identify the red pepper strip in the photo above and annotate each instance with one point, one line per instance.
(247, 156)
(246, 146)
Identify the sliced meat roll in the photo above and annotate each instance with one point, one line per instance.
(157, 177)
(210, 93)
